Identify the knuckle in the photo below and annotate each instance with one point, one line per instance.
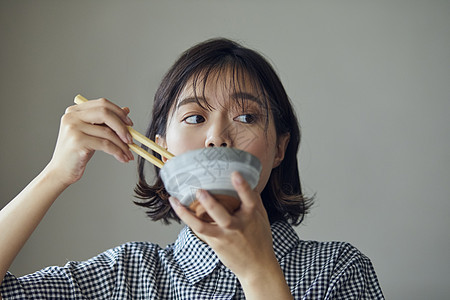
(103, 111)
(103, 101)
(69, 109)
(106, 131)
(200, 228)
(106, 144)
(251, 206)
(207, 204)
(228, 224)
(246, 188)
(68, 124)
(71, 127)
(66, 118)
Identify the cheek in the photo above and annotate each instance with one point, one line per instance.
(263, 179)
(262, 146)
(266, 154)
(267, 166)
(179, 141)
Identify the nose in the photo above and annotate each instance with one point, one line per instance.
(217, 144)
(219, 136)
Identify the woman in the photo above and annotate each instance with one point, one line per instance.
(217, 94)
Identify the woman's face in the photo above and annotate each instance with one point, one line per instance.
(225, 122)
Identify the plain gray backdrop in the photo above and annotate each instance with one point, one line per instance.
(370, 81)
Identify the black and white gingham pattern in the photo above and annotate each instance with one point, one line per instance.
(189, 269)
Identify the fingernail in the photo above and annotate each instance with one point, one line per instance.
(129, 138)
(122, 158)
(130, 155)
(237, 178)
(129, 122)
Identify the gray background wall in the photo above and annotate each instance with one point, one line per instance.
(370, 81)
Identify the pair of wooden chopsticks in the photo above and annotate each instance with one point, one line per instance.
(142, 139)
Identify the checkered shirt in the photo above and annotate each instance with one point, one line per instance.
(189, 269)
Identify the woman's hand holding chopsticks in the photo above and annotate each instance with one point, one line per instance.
(85, 128)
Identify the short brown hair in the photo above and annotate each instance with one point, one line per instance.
(282, 196)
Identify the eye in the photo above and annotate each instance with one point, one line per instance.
(246, 118)
(194, 119)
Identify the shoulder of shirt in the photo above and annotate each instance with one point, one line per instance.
(131, 251)
(338, 250)
(288, 244)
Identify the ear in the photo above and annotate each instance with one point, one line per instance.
(282, 142)
(162, 142)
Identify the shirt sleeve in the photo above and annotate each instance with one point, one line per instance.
(92, 279)
(354, 277)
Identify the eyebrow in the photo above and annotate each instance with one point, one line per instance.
(234, 96)
(191, 100)
(245, 96)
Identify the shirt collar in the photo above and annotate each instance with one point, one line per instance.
(284, 239)
(195, 257)
(198, 260)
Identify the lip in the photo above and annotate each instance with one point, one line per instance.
(209, 169)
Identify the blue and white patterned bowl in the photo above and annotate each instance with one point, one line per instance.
(209, 169)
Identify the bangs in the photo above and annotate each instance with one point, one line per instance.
(233, 77)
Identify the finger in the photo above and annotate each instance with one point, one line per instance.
(126, 110)
(215, 210)
(246, 194)
(104, 103)
(191, 220)
(103, 115)
(122, 113)
(94, 143)
(104, 132)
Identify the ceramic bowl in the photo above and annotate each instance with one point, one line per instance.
(209, 169)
